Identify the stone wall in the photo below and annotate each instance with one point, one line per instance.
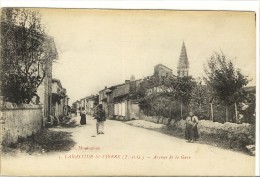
(19, 121)
(231, 134)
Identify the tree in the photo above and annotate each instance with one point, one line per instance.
(200, 99)
(224, 79)
(162, 95)
(183, 87)
(25, 52)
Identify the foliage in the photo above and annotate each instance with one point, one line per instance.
(163, 96)
(249, 112)
(201, 98)
(183, 88)
(26, 54)
(224, 80)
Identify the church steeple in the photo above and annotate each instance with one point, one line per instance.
(183, 65)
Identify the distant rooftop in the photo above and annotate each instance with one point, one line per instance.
(162, 66)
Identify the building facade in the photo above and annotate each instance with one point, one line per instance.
(76, 106)
(59, 99)
(162, 71)
(90, 103)
(103, 99)
(44, 91)
(65, 103)
(82, 104)
(119, 103)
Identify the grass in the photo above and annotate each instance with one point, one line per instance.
(44, 141)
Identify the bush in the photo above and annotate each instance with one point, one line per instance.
(165, 107)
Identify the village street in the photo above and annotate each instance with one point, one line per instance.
(125, 149)
(149, 75)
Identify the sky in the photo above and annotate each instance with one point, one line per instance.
(99, 48)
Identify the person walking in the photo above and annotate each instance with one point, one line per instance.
(83, 120)
(191, 131)
(101, 118)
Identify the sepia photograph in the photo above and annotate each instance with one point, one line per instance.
(127, 92)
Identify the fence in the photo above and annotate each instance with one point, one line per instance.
(19, 121)
(174, 109)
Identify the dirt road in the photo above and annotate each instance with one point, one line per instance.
(128, 150)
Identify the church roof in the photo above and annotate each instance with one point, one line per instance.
(183, 60)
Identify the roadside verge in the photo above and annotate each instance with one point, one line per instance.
(238, 137)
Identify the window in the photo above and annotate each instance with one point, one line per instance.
(119, 109)
(123, 109)
(116, 109)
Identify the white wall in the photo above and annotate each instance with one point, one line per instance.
(20, 121)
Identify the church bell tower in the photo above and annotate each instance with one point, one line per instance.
(183, 65)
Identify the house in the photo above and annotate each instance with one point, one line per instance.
(65, 101)
(103, 99)
(44, 91)
(82, 104)
(59, 99)
(117, 102)
(162, 71)
(90, 103)
(87, 103)
(161, 75)
(76, 106)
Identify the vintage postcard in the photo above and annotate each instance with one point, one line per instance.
(102, 92)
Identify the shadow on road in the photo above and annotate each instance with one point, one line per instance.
(44, 141)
